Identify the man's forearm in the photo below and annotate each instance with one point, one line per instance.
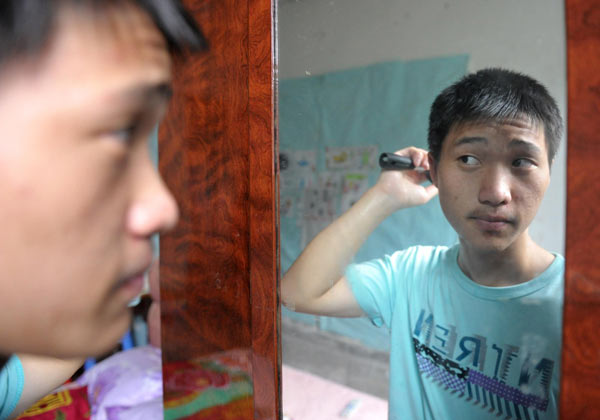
(326, 257)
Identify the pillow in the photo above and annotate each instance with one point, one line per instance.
(68, 404)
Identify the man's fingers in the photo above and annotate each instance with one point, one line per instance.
(417, 155)
(431, 191)
(421, 159)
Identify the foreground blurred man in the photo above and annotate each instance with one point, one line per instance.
(82, 84)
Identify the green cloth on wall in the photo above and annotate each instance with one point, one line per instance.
(385, 104)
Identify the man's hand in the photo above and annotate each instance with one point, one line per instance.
(404, 188)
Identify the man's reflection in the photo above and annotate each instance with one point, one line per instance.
(475, 328)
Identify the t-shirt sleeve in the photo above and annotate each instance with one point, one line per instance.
(12, 380)
(376, 283)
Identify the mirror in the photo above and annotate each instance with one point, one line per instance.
(356, 79)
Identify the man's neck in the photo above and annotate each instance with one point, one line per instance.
(520, 262)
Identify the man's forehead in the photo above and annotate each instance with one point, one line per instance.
(509, 127)
(115, 43)
(89, 69)
(521, 133)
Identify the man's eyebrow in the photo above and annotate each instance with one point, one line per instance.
(147, 92)
(524, 144)
(470, 140)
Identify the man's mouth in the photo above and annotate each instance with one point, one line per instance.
(491, 223)
(131, 285)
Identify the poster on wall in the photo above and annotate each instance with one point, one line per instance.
(351, 157)
(355, 184)
(298, 169)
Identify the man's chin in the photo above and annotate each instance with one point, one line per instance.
(102, 340)
(111, 340)
(488, 243)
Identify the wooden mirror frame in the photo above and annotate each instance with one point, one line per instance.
(580, 380)
(219, 268)
(218, 154)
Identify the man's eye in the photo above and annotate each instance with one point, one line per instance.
(124, 135)
(469, 160)
(523, 163)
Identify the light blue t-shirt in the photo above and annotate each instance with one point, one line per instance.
(459, 349)
(12, 380)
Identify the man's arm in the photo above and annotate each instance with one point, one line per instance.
(42, 376)
(315, 283)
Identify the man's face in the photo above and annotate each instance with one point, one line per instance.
(80, 196)
(491, 180)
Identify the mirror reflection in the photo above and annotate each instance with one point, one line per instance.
(406, 298)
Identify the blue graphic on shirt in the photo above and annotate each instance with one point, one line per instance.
(458, 363)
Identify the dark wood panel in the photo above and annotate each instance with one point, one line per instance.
(203, 149)
(580, 394)
(216, 148)
(263, 212)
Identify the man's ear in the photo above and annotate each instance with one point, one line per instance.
(432, 169)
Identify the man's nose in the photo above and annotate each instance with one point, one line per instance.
(495, 187)
(154, 210)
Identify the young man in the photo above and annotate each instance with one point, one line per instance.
(82, 85)
(475, 328)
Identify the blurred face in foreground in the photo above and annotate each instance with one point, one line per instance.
(80, 196)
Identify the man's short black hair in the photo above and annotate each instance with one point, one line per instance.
(27, 25)
(494, 95)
